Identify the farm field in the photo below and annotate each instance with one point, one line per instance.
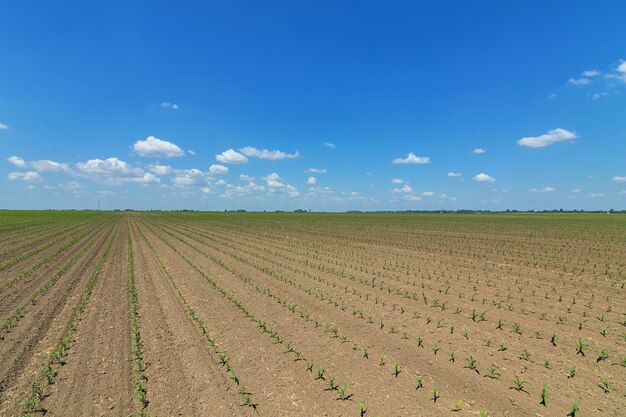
(307, 314)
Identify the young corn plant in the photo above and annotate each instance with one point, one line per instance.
(518, 384)
(606, 385)
(582, 346)
(396, 369)
(553, 339)
(362, 409)
(472, 363)
(574, 410)
(603, 355)
(419, 382)
(435, 394)
(545, 396)
(494, 372)
(572, 372)
(457, 406)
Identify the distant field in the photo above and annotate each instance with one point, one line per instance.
(306, 314)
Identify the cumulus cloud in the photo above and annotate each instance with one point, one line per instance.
(412, 197)
(579, 81)
(189, 177)
(618, 179)
(404, 189)
(576, 190)
(114, 171)
(30, 176)
(428, 193)
(244, 177)
(590, 73)
(218, 169)
(153, 146)
(3, 126)
(311, 181)
(106, 166)
(161, 170)
(168, 105)
(316, 170)
(542, 190)
(276, 155)
(412, 159)
(17, 161)
(241, 191)
(595, 195)
(553, 136)
(397, 181)
(277, 185)
(479, 151)
(329, 145)
(231, 156)
(454, 174)
(191, 152)
(46, 165)
(482, 177)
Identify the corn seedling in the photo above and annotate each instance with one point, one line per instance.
(603, 355)
(545, 396)
(582, 346)
(435, 394)
(518, 383)
(419, 382)
(574, 410)
(457, 406)
(362, 409)
(396, 369)
(606, 385)
(572, 372)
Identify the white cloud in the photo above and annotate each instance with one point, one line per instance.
(598, 96)
(231, 156)
(316, 170)
(113, 171)
(618, 179)
(454, 174)
(107, 166)
(17, 161)
(595, 195)
(24, 176)
(168, 105)
(479, 151)
(153, 146)
(266, 154)
(146, 178)
(311, 181)
(218, 169)
(70, 186)
(161, 170)
(241, 191)
(397, 181)
(482, 177)
(542, 190)
(405, 189)
(590, 73)
(188, 177)
(622, 192)
(412, 197)
(316, 191)
(277, 185)
(428, 193)
(244, 177)
(579, 81)
(3, 126)
(553, 136)
(412, 159)
(190, 152)
(50, 166)
(329, 145)
(576, 190)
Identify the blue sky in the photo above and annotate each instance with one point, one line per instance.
(323, 106)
